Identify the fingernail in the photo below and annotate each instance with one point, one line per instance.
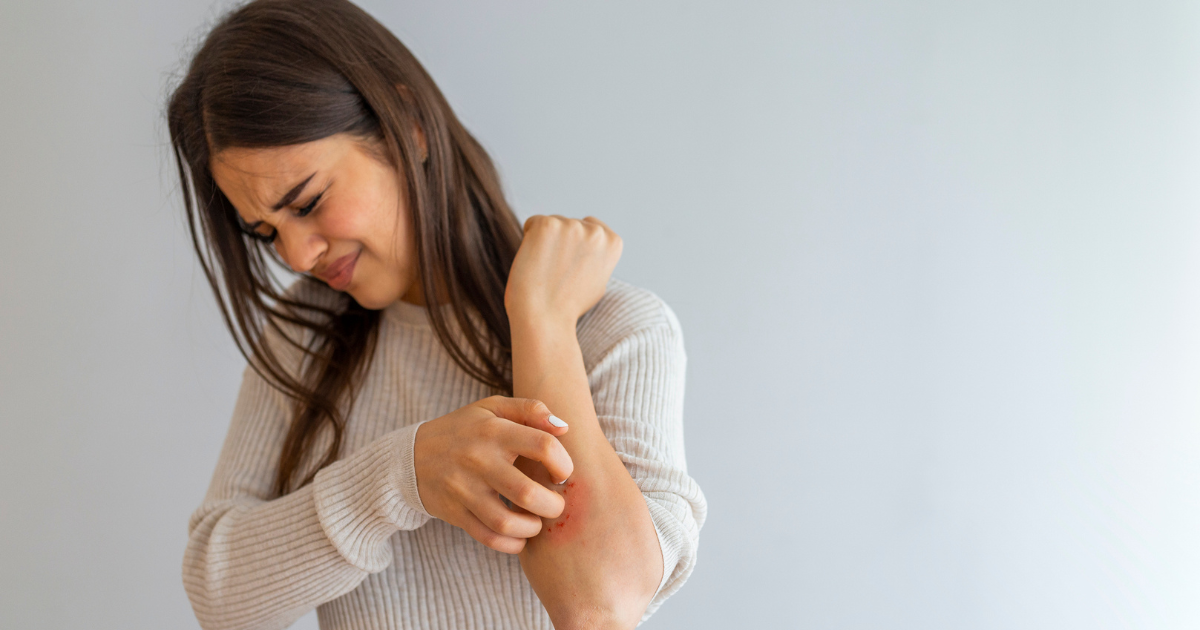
(559, 483)
(556, 421)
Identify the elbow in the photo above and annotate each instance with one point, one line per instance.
(622, 612)
(220, 603)
(596, 619)
(208, 589)
(204, 592)
(621, 601)
(206, 608)
(215, 609)
(629, 592)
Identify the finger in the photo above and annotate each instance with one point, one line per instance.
(491, 511)
(530, 221)
(613, 237)
(527, 493)
(526, 411)
(475, 528)
(597, 222)
(542, 447)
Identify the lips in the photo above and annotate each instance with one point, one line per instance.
(338, 274)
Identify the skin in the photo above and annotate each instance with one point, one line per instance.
(561, 529)
(587, 546)
(600, 563)
(361, 211)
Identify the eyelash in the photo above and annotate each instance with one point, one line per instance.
(301, 213)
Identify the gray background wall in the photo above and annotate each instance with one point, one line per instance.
(938, 266)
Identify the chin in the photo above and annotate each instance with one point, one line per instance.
(367, 302)
(373, 300)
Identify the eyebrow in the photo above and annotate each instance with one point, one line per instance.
(291, 195)
(287, 198)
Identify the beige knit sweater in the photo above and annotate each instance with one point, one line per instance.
(358, 545)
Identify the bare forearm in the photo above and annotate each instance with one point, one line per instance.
(598, 564)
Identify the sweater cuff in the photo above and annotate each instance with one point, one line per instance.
(670, 540)
(365, 498)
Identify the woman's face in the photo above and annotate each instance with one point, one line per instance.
(336, 210)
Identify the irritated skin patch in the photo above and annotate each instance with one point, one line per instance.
(568, 524)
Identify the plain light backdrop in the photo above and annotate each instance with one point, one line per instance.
(937, 264)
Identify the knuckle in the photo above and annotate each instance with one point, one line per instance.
(490, 539)
(525, 495)
(491, 428)
(501, 524)
(508, 546)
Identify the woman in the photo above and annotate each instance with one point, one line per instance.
(376, 466)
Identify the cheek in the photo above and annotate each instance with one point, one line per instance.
(368, 220)
(344, 222)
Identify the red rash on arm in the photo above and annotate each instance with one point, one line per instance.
(567, 526)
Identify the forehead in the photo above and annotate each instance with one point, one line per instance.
(255, 179)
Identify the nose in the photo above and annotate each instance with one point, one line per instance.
(300, 248)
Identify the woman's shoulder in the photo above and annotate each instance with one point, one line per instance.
(624, 312)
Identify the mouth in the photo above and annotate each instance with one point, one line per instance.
(339, 273)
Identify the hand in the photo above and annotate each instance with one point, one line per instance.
(561, 268)
(464, 461)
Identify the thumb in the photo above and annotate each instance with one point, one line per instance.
(527, 411)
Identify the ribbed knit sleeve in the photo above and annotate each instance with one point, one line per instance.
(634, 347)
(357, 543)
(257, 562)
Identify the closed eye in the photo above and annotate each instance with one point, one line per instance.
(251, 229)
(303, 212)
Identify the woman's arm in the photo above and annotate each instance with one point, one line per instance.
(258, 563)
(633, 348)
(599, 563)
(253, 562)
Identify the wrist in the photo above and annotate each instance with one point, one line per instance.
(540, 322)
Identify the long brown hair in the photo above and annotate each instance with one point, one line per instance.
(281, 72)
